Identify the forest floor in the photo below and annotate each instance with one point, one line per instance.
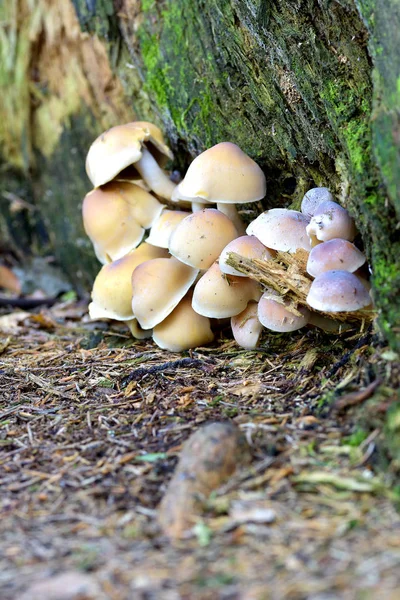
(91, 429)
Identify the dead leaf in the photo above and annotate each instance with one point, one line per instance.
(9, 280)
(9, 324)
(71, 585)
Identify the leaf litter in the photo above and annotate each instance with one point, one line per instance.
(93, 423)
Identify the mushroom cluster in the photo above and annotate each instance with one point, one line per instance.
(166, 248)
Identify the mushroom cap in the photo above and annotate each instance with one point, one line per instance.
(136, 331)
(145, 208)
(164, 226)
(112, 292)
(198, 239)
(183, 328)
(313, 198)
(217, 295)
(246, 245)
(281, 229)
(224, 174)
(119, 147)
(331, 221)
(246, 327)
(337, 291)
(274, 313)
(336, 254)
(157, 287)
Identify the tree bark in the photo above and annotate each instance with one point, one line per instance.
(309, 88)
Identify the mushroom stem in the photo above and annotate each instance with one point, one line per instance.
(154, 176)
(230, 211)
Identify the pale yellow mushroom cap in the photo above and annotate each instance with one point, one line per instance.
(336, 254)
(338, 291)
(198, 239)
(112, 292)
(164, 226)
(331, 221)
(137, 332)
(313, 198)
(157, 287)
(248, 246)
(119, 147)
(246, 327)
(218, 296)
(281, 229)
(183, 329)
(223, 174)
(274, 313)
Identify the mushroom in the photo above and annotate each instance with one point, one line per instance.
(247, 246)
(112, 293)
(136, 331)
(281, 229)
(338, 291)
(313, 198)
(198, 239)
(330, 221)
(246, 327)
(157, 287)
(332, 255)
(277, 313)
(115, 216)
(164, 226)
(128, 144)
(224, 175)
(218, 296)
(183, 328)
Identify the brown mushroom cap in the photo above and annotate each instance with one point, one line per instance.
(281, 229)
(337, 291)
(331, 221)
(336, 254)
(112, 292)
(157, 287)
(246, 245)
(198, 239)
(246, 327)
(183, 328)
(313, 198)
(164, 226)
(119, 147)
(217, 295)
(275, 314)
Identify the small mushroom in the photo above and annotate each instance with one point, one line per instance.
(277, 314)
(198, 239)
(218, 296)
(112, 292)
(164, 226)
(183, 328)
(115, 216)
(248, 246)
(338, 291)
(224, 175)
(136, 331)
(246, 327)
(313, 198)
(330, 221)
(129, 144)
(281, 229)
(336, 254)
(157, 287)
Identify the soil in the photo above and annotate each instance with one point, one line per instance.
(92, 425)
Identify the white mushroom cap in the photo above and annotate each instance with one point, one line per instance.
(158, 286)
(337, 291)
(217, 295)
(183, 329)
(331, 221)
(275, 314)
(281, 229)
(336, 254)
(164, 226)
(313, 198)
(248, 246)
(112, 292)
(119, 147)
(246, 327)
(198, 239)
